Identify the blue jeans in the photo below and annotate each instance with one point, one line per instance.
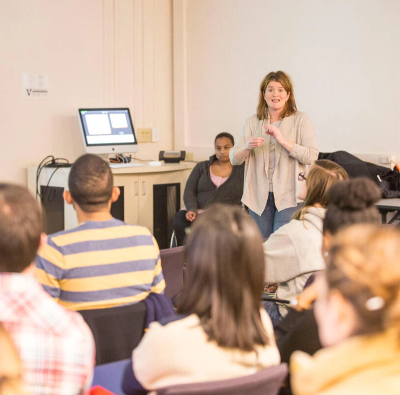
(271, 219)
(272, 309)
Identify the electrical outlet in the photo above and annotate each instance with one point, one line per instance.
(189, 156)
(144, 135)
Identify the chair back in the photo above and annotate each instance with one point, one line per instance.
(265, 382)
(110, 376)
(116, 330)
(172, 263)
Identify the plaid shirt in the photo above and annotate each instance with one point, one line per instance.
(55, 345)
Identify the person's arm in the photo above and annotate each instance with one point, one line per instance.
(191, 189)
(153, 359)
(49, 268)
(246, 143)
(281, 260)
(305, 150)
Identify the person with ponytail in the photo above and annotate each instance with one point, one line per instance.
(358, 316)
(293, 252)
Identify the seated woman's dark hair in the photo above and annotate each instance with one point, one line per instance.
(352, 201)
(224, 277)
(225, 134)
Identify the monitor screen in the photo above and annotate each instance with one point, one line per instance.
(107, 130)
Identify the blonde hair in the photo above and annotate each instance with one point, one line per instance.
(281, 77)
(322, 175)
(363, 264)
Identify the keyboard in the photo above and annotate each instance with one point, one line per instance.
(123, 165)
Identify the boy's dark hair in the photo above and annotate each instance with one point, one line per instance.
(20, 228)
(90, 183)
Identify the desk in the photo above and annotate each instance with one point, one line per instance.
(388, 205)
(151, 196)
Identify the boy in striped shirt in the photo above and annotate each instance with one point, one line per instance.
(103, 262)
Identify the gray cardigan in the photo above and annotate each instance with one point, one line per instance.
(200, 191)
(296, 128)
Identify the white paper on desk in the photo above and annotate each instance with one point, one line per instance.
(35, 86)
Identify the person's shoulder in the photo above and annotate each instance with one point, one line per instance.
(299, 116)
(173, 329)
(252, 120)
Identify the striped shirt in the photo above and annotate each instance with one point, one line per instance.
(100, 265)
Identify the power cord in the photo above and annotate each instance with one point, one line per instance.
(49, 161)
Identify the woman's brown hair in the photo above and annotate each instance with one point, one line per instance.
(363, 264)
(281, 77)
(224, 277)
(322, 175)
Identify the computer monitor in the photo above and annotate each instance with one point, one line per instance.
(107, 130)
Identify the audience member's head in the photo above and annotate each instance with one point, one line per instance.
(222, 145)
(351, 202)
(90, 183)
(10, 366)
(225, 276)
(20, 228)
(360, 291)
(318, 180)
(222, 135)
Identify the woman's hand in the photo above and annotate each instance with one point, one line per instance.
(255, 142)
(276, 132)
(306, 298)
(190, 216)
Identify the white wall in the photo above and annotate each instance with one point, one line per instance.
(343, 57)
(96, 53)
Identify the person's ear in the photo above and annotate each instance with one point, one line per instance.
(67, 197)
(115, 194)
(345, 315)
(43, 240)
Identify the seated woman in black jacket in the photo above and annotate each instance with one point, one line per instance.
(211, 181)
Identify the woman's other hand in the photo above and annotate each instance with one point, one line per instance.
(255, 142)
(276, 132)
(190, 216)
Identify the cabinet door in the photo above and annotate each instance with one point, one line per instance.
(146, 197)
(130, 182)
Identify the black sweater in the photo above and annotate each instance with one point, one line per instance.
(200, 191)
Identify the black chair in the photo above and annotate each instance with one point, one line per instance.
(116, 330)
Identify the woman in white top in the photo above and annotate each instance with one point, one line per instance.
(276, 144)
(221, 332)
(293, 252)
